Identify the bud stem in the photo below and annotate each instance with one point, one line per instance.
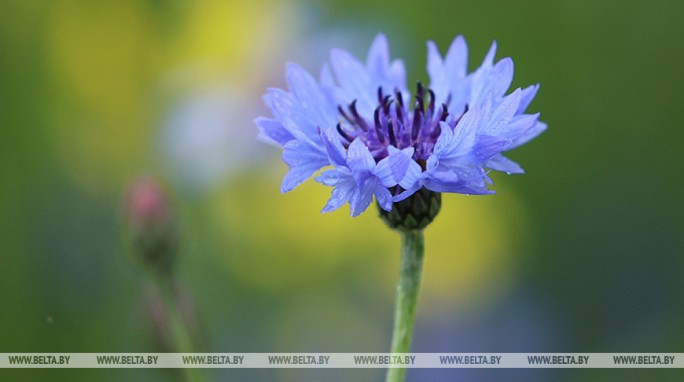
(179, 331)
(408, 286)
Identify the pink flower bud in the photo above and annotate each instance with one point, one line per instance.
(150, 227)
(147, 203)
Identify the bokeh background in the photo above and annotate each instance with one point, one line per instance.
(584, 253)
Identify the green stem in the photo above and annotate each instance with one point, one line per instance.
(180, 335)
(408, 286)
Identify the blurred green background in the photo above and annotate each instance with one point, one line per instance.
(584, 253)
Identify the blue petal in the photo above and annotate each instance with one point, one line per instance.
(335, 176)
(327, 78)
(454, 147)
(503, 164)
(487, 146)
(359, 158)
(526, 97)
(518, 127)
(398, 168)
(333, 146)
(344, 187)
(363, 195)
(495, 122)
(378, 59)
(381, 72)
(356, 188)
(489, 58)
(446, 135)
(465, 131)
(272, 131)
(384, 173)
(354, 80)
(502, 76)
(530, 134)
(333, 94)
(456, 60)
(462, 180)
(436, 72)
(355, 181)
(360, 83)
(396, 78)
(304, 160)
(339, 196)
(384, 197)
(406, 193)
(311, 100)
(447, 78)
(491, 82)
(413, 175)
(285, 109)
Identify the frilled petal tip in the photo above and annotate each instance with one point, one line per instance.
(343, 185)
(399, 168)
(354, 179)
(407, 192)
(384, 197)
(378, 60)
(272, 132)
(530, 134)
(334, 148)
(359, 158)
(503, 164)
(491, 53)
(444, 74)
(491, 81)
(304, 160)
(526, 97)
(470, 180)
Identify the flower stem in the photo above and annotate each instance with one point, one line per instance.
(408, 286)
(180, 335)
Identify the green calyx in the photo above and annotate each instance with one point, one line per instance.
(414, 212)
(156, 246)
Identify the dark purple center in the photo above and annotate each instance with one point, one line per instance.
(394, 124)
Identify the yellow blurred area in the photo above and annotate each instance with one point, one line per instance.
(102, 56)
(231, 40)
(116, 64)
(291, 232)
(470, 248)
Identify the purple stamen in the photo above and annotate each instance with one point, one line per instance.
(396, 126)
(357, 118)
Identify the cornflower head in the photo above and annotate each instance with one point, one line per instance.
(375, 139)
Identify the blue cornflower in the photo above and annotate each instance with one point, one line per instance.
(361, 121)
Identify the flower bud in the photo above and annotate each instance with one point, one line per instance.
(414, 212)
(151, 230)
